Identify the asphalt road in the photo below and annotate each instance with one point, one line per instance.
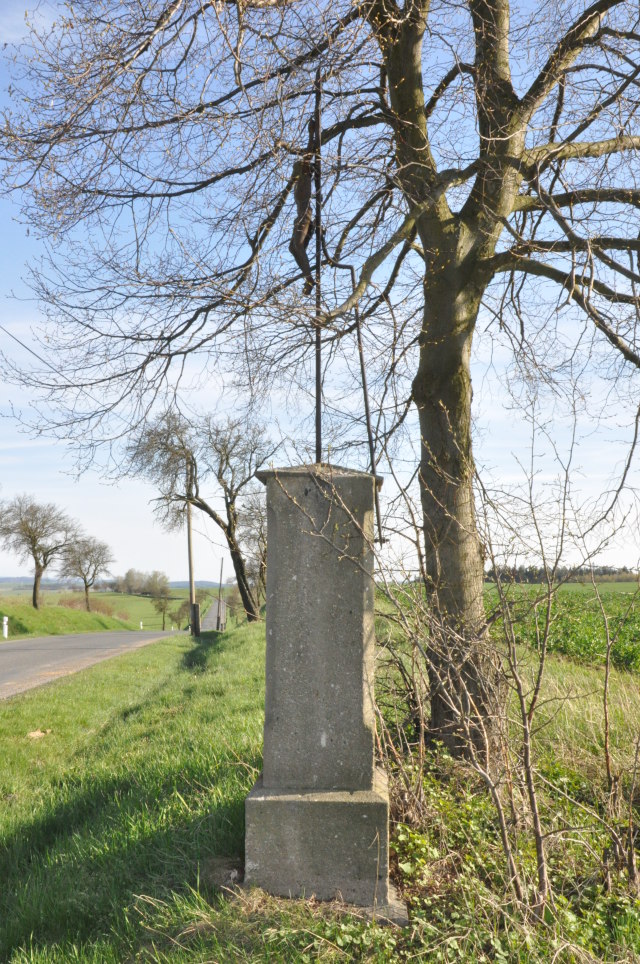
(26, 663)
(210, 618)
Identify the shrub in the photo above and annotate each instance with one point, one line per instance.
(76, 601)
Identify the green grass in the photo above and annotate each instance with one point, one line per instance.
(135, 790)
(624, 586)
(112, 611)
(578, 628)
(51, 620)
(118, 827)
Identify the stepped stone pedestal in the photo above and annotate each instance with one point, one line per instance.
(317, 819)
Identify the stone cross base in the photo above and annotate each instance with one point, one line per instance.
(330, 844)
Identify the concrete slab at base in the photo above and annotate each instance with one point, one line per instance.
(325, 844)
(393, 912)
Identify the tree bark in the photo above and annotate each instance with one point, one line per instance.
(86, 598)
(35, 596)
(249, 603)
(465, 694)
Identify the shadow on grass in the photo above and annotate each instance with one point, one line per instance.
(127, 825)
(74, 873)
(204, 646)
(17, 627)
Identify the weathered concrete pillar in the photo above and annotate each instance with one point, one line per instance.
(317, 819)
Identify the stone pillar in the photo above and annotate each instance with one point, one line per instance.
(317, 819)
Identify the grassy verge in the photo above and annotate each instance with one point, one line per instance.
(120, 825)
(136, 789)
(50, 620)
(63, 612)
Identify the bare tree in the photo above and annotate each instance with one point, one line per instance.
(155, 146)
(38, 531)
(542, 523)
(161, 604)
(252, 537)
(133, 582)
(158, 587)
(155, 584)
(86, 558)
(181, 456)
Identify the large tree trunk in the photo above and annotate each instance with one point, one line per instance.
(86, 598)
(465, 698)
(37, 579)
(464, 691)
(249, 603)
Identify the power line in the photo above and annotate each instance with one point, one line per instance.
(57, 372)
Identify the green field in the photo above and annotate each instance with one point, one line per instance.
(119, 826)
(111, 611)
(577, 628)
(140, 608)
(628, 586)
(52, 620)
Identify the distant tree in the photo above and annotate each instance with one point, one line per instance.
(252, 534)
(162, 598)
(182, 613)
(179, 456)
(131, 583)
(86, 558)
(136, 583)
(155, 584)
(37, 531)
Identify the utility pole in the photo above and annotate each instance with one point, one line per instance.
(318, 222)
(192, 589)
(194, 616)
(219, 617)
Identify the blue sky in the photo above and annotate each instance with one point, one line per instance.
(121, 514)
(118, 514)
